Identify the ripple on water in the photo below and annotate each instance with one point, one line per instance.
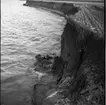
(25, 32)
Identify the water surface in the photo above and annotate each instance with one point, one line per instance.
(25, 32)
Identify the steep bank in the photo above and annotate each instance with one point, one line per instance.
(79, 70)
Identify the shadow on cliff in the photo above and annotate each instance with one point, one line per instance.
(76, 77)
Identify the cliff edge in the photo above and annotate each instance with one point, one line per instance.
(77, 75)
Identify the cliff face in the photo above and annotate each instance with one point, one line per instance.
(82, 76)
(79, 70)
(78, 44)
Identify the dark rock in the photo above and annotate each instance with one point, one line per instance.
(48, 57)
(39, 93)
(42, 89)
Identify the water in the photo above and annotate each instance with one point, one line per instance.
(25, 32)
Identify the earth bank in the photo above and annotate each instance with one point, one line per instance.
(76, 77)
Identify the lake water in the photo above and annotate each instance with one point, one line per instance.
(25, 32)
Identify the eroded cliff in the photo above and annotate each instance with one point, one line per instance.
(81, 70)
(77, 75)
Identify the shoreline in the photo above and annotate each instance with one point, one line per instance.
(80, 63)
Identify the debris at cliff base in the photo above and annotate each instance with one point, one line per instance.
(47, 82)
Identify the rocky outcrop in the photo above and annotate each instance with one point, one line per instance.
(76, 77)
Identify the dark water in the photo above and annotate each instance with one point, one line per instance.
(25, 32)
